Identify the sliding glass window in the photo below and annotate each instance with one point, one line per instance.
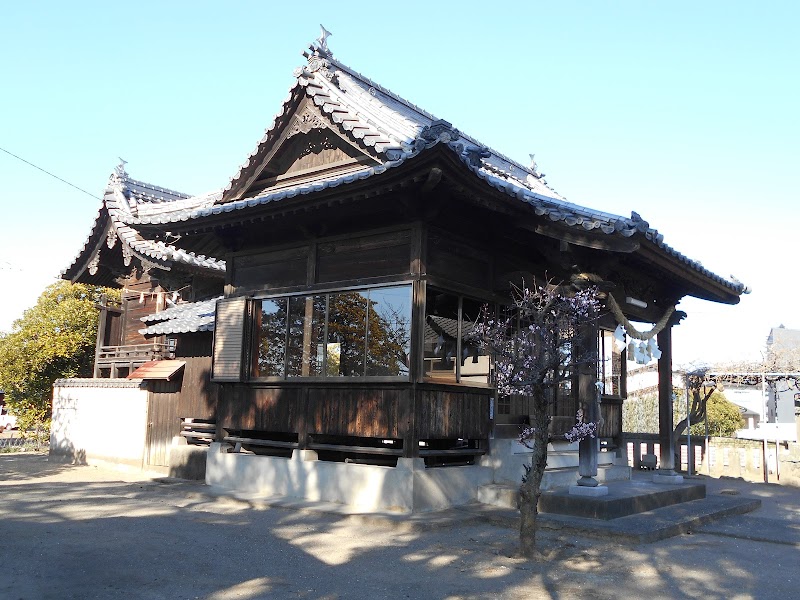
(359, 333)
(450, 352)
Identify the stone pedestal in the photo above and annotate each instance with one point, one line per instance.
(588, 448)
(582, 490)
(587, 462)
(304, 455)
(668, 477)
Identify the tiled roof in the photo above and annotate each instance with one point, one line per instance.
(124, 199)
(190, 317)
(97, 383)
(394, 131)
(436, 327)
(126, 196)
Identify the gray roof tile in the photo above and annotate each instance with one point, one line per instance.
(189, 317)
(124, 200)
(398, 131)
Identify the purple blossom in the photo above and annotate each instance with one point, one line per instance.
(581, 430)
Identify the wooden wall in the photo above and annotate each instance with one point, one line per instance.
(191, 394)
(457, 260)
(451, 414)
(366, 255)
(135, 306)
(374, 413)
(346, 411)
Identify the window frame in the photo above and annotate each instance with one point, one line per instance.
(461, 296)
(328, 291)
(623, 359)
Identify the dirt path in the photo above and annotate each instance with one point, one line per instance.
(94, 532)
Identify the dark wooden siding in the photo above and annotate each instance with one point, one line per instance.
(190, 395)
(261, 409)
(456, 261)
(452, 414)
(371, 413)
(112, 332)
(368, 256)
(271, 270)
(356, 412)
(139, 298)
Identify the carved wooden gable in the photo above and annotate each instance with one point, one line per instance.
(310, 147)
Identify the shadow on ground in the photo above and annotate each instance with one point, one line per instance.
(101, 538)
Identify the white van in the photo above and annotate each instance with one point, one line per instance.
(7, 421)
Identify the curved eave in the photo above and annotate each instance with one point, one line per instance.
(287, 199)
(595, 226)
(92, 245)
(580, 224)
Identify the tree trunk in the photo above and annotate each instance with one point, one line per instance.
(697, 413)
(530, 490)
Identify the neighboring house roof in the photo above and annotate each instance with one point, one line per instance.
(189, 317)
(781, 337)
(392, 131)
(123, 199)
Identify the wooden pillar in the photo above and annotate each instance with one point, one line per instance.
(416, 370)
(102, 323)
(665, 424)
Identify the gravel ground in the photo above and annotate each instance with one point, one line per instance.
(99, 532)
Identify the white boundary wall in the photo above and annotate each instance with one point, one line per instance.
(102, 419)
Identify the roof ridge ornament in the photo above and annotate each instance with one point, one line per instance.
(534, 167)
(638, 222)
(317, 55)
(438, 131)
(119, 170)
(475, 155)
(322, 40)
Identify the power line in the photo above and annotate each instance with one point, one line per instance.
(49, 173)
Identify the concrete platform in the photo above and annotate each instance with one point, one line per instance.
(646, 527)
(624, 498)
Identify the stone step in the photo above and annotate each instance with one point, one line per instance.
(509, 467)
(623, 499)
(506, 495)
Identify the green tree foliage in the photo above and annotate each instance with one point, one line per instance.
(724, 418)
(53, 339)
(640, 414)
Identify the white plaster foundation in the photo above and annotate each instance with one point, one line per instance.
(408, 487)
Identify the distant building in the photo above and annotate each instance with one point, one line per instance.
(783, 352)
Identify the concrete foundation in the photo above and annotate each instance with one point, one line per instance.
(187, 462)
(508, 457)
(409, 487)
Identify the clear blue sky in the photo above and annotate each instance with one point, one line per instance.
(686, 112)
